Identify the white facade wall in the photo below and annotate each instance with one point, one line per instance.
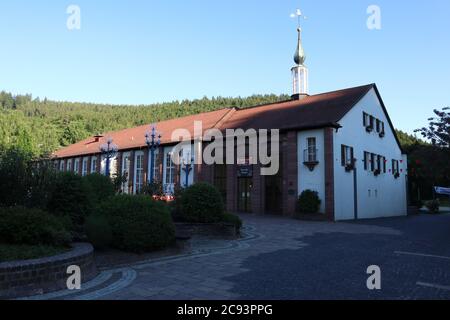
(312, 180)
(382, 196)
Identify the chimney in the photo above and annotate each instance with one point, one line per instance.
(97, 138)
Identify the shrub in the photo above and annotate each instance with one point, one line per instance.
(98, 231)
(71, 198)
(433, 206)
(138, 223)
(101, 187)
(202, 203)
(309, 202)
(232, 219)
(14, 171)
(32, 182)
(153, 189)
(22, 226)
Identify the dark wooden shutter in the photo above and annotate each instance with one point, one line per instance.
(343, 155)
(365, 160)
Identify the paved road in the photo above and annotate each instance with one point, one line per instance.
(287, 259)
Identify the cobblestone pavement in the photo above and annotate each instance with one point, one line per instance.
(280, 258)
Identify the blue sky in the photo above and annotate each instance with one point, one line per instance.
(139, 52)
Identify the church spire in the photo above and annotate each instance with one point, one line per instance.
(299, 71)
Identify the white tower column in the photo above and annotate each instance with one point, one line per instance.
(299, 71)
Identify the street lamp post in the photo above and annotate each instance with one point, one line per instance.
(109, 150)
(153, 141)
(187, 168)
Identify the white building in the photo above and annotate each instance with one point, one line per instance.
(341, 144)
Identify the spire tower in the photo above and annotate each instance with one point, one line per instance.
(299, 71)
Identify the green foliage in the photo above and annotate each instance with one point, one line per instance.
(71, 198)
(138, 223)
(153, 189)
(98, 231)
(22, 226)
(31, 182)
(41, 127)
(309, 202)
(407, 140)
(232, 219)
(14, 252)
(14, 173)
(433, 206)
(438, 131)
(202, 202)
(100, 187)
(118, 182)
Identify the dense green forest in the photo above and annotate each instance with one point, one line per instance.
(41, 126)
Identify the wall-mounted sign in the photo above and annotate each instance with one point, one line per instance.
(245, 171)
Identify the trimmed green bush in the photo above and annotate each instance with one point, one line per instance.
(232, 219)
(98, 231)
(71, 198)
(22, 226)
(101, 187)
(202, 203)
(309, 202)
(138, 223)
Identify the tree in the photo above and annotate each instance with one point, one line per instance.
(438, 131)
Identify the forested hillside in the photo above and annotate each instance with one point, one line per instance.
(41, 126)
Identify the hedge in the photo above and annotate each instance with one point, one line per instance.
(138, 223)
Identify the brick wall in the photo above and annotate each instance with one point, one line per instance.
(329, 173)
(289, 169)
(40, 276)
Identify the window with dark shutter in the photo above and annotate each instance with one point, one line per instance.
(372, 162)
(366, 160)
(343, 155)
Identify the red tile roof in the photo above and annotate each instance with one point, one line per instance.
(310, 112)
(134, 138)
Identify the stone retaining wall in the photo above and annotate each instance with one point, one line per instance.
(39, 276)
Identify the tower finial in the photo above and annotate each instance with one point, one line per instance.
(299, 71)
(299, 57)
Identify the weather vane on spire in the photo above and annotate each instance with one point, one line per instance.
(299, 15)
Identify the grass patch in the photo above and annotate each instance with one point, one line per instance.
(9, 252)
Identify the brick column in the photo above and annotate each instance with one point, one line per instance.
(231, 188)
(99, 163)
(131, 175)
(146, 165)
(289, 162)
(257, 190)
(329, 173)
(80, 166)
(89, 165)
(119, 163)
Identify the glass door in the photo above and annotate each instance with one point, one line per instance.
(245, 186)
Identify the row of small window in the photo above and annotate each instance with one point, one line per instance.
(76, 166)
(371, 123)
(378, 164)
(373, 162)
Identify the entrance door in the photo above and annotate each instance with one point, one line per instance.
(245, 186)
(273, 185)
